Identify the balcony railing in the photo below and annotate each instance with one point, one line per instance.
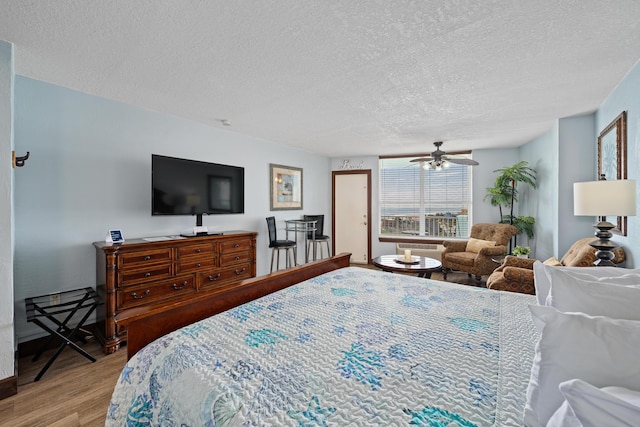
(435, 225)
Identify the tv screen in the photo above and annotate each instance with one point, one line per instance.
(191, 187)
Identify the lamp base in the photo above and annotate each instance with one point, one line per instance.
(604, 246)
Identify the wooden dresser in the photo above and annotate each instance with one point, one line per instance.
(157, 271)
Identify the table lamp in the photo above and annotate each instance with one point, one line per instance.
(602, 199)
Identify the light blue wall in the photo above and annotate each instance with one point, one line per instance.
(542, 203)
(90, 171)
(562, 156)
(6, 212)
(484, 176)
(568, 154)
(626, 96)
(577, 163)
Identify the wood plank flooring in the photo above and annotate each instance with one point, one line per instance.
(74, 391)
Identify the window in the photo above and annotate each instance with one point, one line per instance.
(415, 201)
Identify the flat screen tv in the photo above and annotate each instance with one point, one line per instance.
(191, 187)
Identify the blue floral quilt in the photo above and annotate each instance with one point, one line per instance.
(353, 347)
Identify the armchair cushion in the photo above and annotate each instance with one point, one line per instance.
(553, 261)
(474, 245)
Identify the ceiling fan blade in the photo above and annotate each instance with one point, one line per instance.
(462, 161)
(422, 159)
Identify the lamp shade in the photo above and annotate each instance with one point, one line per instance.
(605, 198)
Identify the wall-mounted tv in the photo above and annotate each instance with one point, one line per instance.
(191, 187)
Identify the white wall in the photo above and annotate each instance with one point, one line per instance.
(90, 171)
(7, 345)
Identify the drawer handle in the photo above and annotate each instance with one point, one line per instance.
(177, 288)
(213, 279)
(239, 272)
(237, 258)
(147, 274)
(197, 251)
(136, 296)
(237, 245)
(198, 265)
(147, 258)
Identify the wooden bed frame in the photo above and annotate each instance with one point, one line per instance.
(145, 324)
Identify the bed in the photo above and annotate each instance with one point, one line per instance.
(350, 346)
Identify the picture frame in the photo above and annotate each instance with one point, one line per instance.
(285, 187)
(612, 160)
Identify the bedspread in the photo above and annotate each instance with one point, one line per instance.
(350, 347)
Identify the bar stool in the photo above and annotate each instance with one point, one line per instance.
(318, 238)
(278, 245)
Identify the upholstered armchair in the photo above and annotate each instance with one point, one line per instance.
(476, 255)
(516, 274)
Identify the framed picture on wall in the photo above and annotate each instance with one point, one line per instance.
(612, 160)
(285, 187)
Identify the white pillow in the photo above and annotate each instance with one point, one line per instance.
(616, 275)
(596, 298)
(589, 406)
(564, 417)
(599, 350)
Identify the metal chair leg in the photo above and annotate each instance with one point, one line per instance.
(273, 252)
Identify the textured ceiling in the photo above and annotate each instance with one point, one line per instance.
(340, 78)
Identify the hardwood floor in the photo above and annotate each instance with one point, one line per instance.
(74, 391)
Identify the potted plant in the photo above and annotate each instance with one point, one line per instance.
(524, 224)
(505, 193)
(521, 251)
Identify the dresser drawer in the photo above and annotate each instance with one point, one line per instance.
(237, 245)
(154, 292)
(227, 260)
(216, 278)
(141, 258)
(128, 277)
(195, 250)
(191, 264)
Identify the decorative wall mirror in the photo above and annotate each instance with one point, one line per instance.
(612, 160)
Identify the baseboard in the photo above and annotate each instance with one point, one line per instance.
(8, 387)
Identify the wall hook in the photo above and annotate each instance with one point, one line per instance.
(19, 161)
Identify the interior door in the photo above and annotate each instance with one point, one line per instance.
(352, 214)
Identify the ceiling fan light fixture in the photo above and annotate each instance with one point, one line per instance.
(438, 159)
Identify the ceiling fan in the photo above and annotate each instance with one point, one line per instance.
(439, 159)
